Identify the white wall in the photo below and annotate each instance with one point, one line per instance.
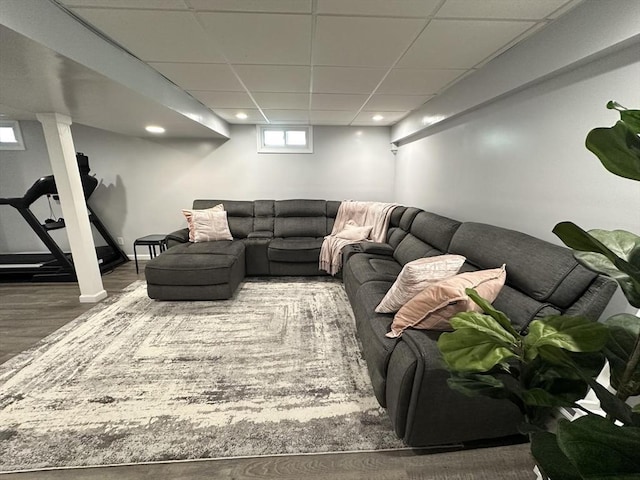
(144, 184)
(521, 162)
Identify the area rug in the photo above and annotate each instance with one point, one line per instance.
(275, 370)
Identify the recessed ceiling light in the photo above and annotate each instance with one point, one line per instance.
(377, 118)
(154, 129)
(242, 116)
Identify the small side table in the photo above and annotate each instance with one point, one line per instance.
(152, 241)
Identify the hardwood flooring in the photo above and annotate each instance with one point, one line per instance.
(31, 311)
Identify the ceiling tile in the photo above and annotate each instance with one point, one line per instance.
(229, 114)
(346, 80)
(331, 117)
(215, 100)
(200, 76)
(384, 8)
(513, 9)
(334, 101)
(287, 101)
(155, 35)
(408, 81)
(460, 43)
(151, 4)
(287, 116)
(272, 78)
(279, 6)
(395, 103)
(362, 41)
(254, 38)
(366, 118)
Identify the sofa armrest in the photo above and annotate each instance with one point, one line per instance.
(177, 237)
(377, 248)
(374, 248)
(425, 411)
(261, 234)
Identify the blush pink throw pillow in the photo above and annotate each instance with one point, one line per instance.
(432, 308)
(416, 276)
(208, 225)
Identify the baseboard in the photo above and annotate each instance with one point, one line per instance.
(94, 298)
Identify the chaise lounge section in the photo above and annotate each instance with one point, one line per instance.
(409, 379)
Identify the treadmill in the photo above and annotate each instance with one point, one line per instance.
(56, 265)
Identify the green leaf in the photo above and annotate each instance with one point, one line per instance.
(612, 405)
(599, 448)
(485, 324)
(472, 350)
(550, 459)
(626, 246)
(625, 243)
(539, 397)
(618, 149)
(497, 315)
(630, 117)
(474, 385)
(624, 331)
(575, 334)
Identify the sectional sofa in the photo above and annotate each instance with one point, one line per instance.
(284, 237)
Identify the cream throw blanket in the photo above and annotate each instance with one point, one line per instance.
(350, 213)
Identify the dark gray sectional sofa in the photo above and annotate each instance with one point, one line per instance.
(283, 237)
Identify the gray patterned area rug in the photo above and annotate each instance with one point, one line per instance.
(275, 370)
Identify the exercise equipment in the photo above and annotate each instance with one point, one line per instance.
(56, 265)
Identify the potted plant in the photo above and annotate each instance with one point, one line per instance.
(556, 361)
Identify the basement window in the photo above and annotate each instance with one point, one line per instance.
(285, 139)
(10, 135)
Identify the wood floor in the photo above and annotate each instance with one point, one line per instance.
(29, 312)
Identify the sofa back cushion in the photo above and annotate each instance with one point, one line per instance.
(429, 234)
(239, 214)
(543, 271)
(300, 218)
(264, 213)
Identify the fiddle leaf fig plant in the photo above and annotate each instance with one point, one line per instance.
(556, 361)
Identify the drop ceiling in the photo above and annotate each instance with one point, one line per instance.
(321, 62)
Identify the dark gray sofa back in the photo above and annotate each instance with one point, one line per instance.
(264, 212)
(542, 278)
(428, 235)
(300, 218)
(239, 214)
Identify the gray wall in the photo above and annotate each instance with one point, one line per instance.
(19, 169)
(144, 184)
(521, 162)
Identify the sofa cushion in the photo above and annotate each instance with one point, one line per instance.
(300, 226)
(365, 267)
(412, 248)
(264, 212)
(295, 249)
(195, 269)
(221, 247)
(545, 272)
(301, 208)
(239, 214)
(207, 225)
(354, 232)
(434, 230)
(416, 276)
(432, 308)
(371, 328)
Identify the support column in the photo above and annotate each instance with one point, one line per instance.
(62, 155)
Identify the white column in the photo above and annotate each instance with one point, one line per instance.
(62, 155)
